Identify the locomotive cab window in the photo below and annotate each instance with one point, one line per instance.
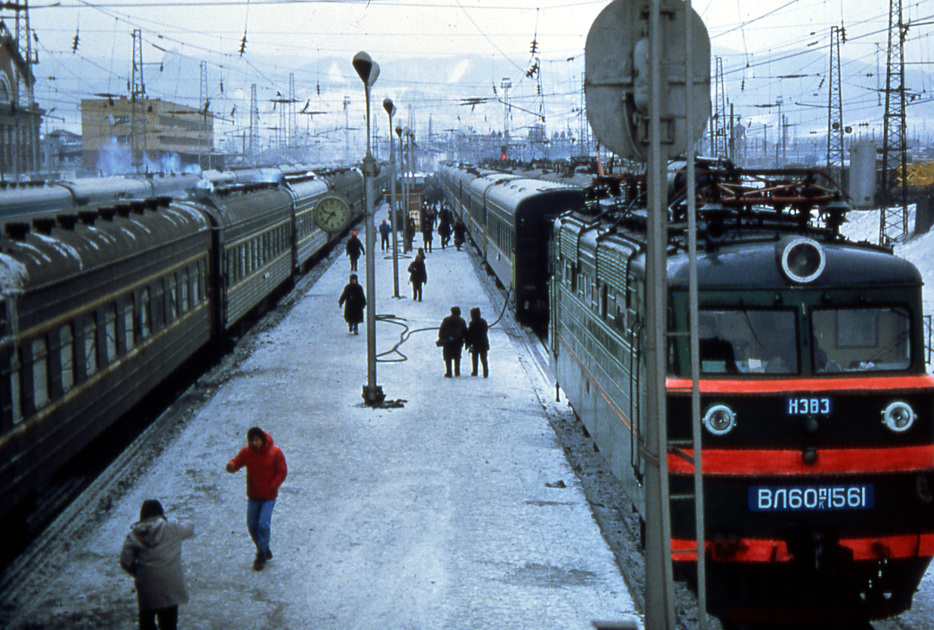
(861, 339)
(761, 341)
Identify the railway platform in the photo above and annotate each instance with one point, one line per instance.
(453, 508)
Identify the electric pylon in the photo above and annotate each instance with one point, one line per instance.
(894, 220)
(719, 144)
(138, 108)
(835, 107)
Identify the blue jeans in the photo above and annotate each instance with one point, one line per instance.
(259, 521)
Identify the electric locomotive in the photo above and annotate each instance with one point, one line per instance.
(816, 408)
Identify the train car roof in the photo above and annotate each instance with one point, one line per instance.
(172, 184)
(53, 247)
(309, 186)
(231, 204)
(20, 200)
(98, 190)
(513, 191)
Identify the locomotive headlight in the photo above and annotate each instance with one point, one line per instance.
(719, 419)
(802, 259)
(898, 416)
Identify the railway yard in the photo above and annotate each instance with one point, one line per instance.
(463, 502)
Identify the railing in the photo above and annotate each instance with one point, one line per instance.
(929, 335)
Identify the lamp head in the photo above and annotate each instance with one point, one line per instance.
(367, 69)
(399, 131)
(389, 107)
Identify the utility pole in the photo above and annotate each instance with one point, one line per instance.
(137, 111)
(505, 85)
(203, 120)
(254, 121)
(346, 129)
(718, 141)
(290, 138)
(835, 107)
(893, 224)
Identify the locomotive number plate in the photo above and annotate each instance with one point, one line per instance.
(806, 406)
(811, 498)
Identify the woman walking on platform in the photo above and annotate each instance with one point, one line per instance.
(354, 301)
(418, 275)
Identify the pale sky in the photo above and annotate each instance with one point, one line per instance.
(284, 36)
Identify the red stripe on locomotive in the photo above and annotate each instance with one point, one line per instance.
(790, 462)
(757, 550)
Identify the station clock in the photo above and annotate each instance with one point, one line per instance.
(332, 214)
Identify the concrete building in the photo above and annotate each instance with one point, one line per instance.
(122, 135)
(20, 117)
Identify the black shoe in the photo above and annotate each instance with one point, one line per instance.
(473, 373)
(259, 562)
(269, 555)
(448, 375)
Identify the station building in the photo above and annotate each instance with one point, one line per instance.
(115, 127)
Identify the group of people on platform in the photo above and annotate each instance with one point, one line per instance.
(454, 333)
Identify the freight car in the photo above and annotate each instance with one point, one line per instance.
(816, 409)
(100, 302)
(509, 220)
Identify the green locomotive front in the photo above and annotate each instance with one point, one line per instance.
(818, 427)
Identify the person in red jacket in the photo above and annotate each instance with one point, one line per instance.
(265, 472)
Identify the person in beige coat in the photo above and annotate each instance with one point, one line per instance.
(152, 554)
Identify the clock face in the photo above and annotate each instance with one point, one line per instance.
(332, 214)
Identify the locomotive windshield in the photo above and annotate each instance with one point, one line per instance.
(861, 339)
(737, 341)
(842, 339)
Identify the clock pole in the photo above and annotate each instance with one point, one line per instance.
(373, 395)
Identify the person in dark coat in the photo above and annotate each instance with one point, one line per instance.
(354, 301)
(460, 233)
(354, 249)
(427, 235)
(451, 339)
(152, 554)
(444, 229)
(385, 230)
(477, 342)
(418, 275)
(265, 472)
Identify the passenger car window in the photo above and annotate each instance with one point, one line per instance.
(861, 339)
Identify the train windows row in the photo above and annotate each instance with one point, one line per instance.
(54, 362)
(253, 254)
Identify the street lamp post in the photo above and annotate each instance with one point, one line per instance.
(393, 211)
(406, 237)
(368, 70)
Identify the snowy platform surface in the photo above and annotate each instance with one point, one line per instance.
(455, 510)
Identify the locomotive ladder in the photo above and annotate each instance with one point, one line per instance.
(677, 446)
